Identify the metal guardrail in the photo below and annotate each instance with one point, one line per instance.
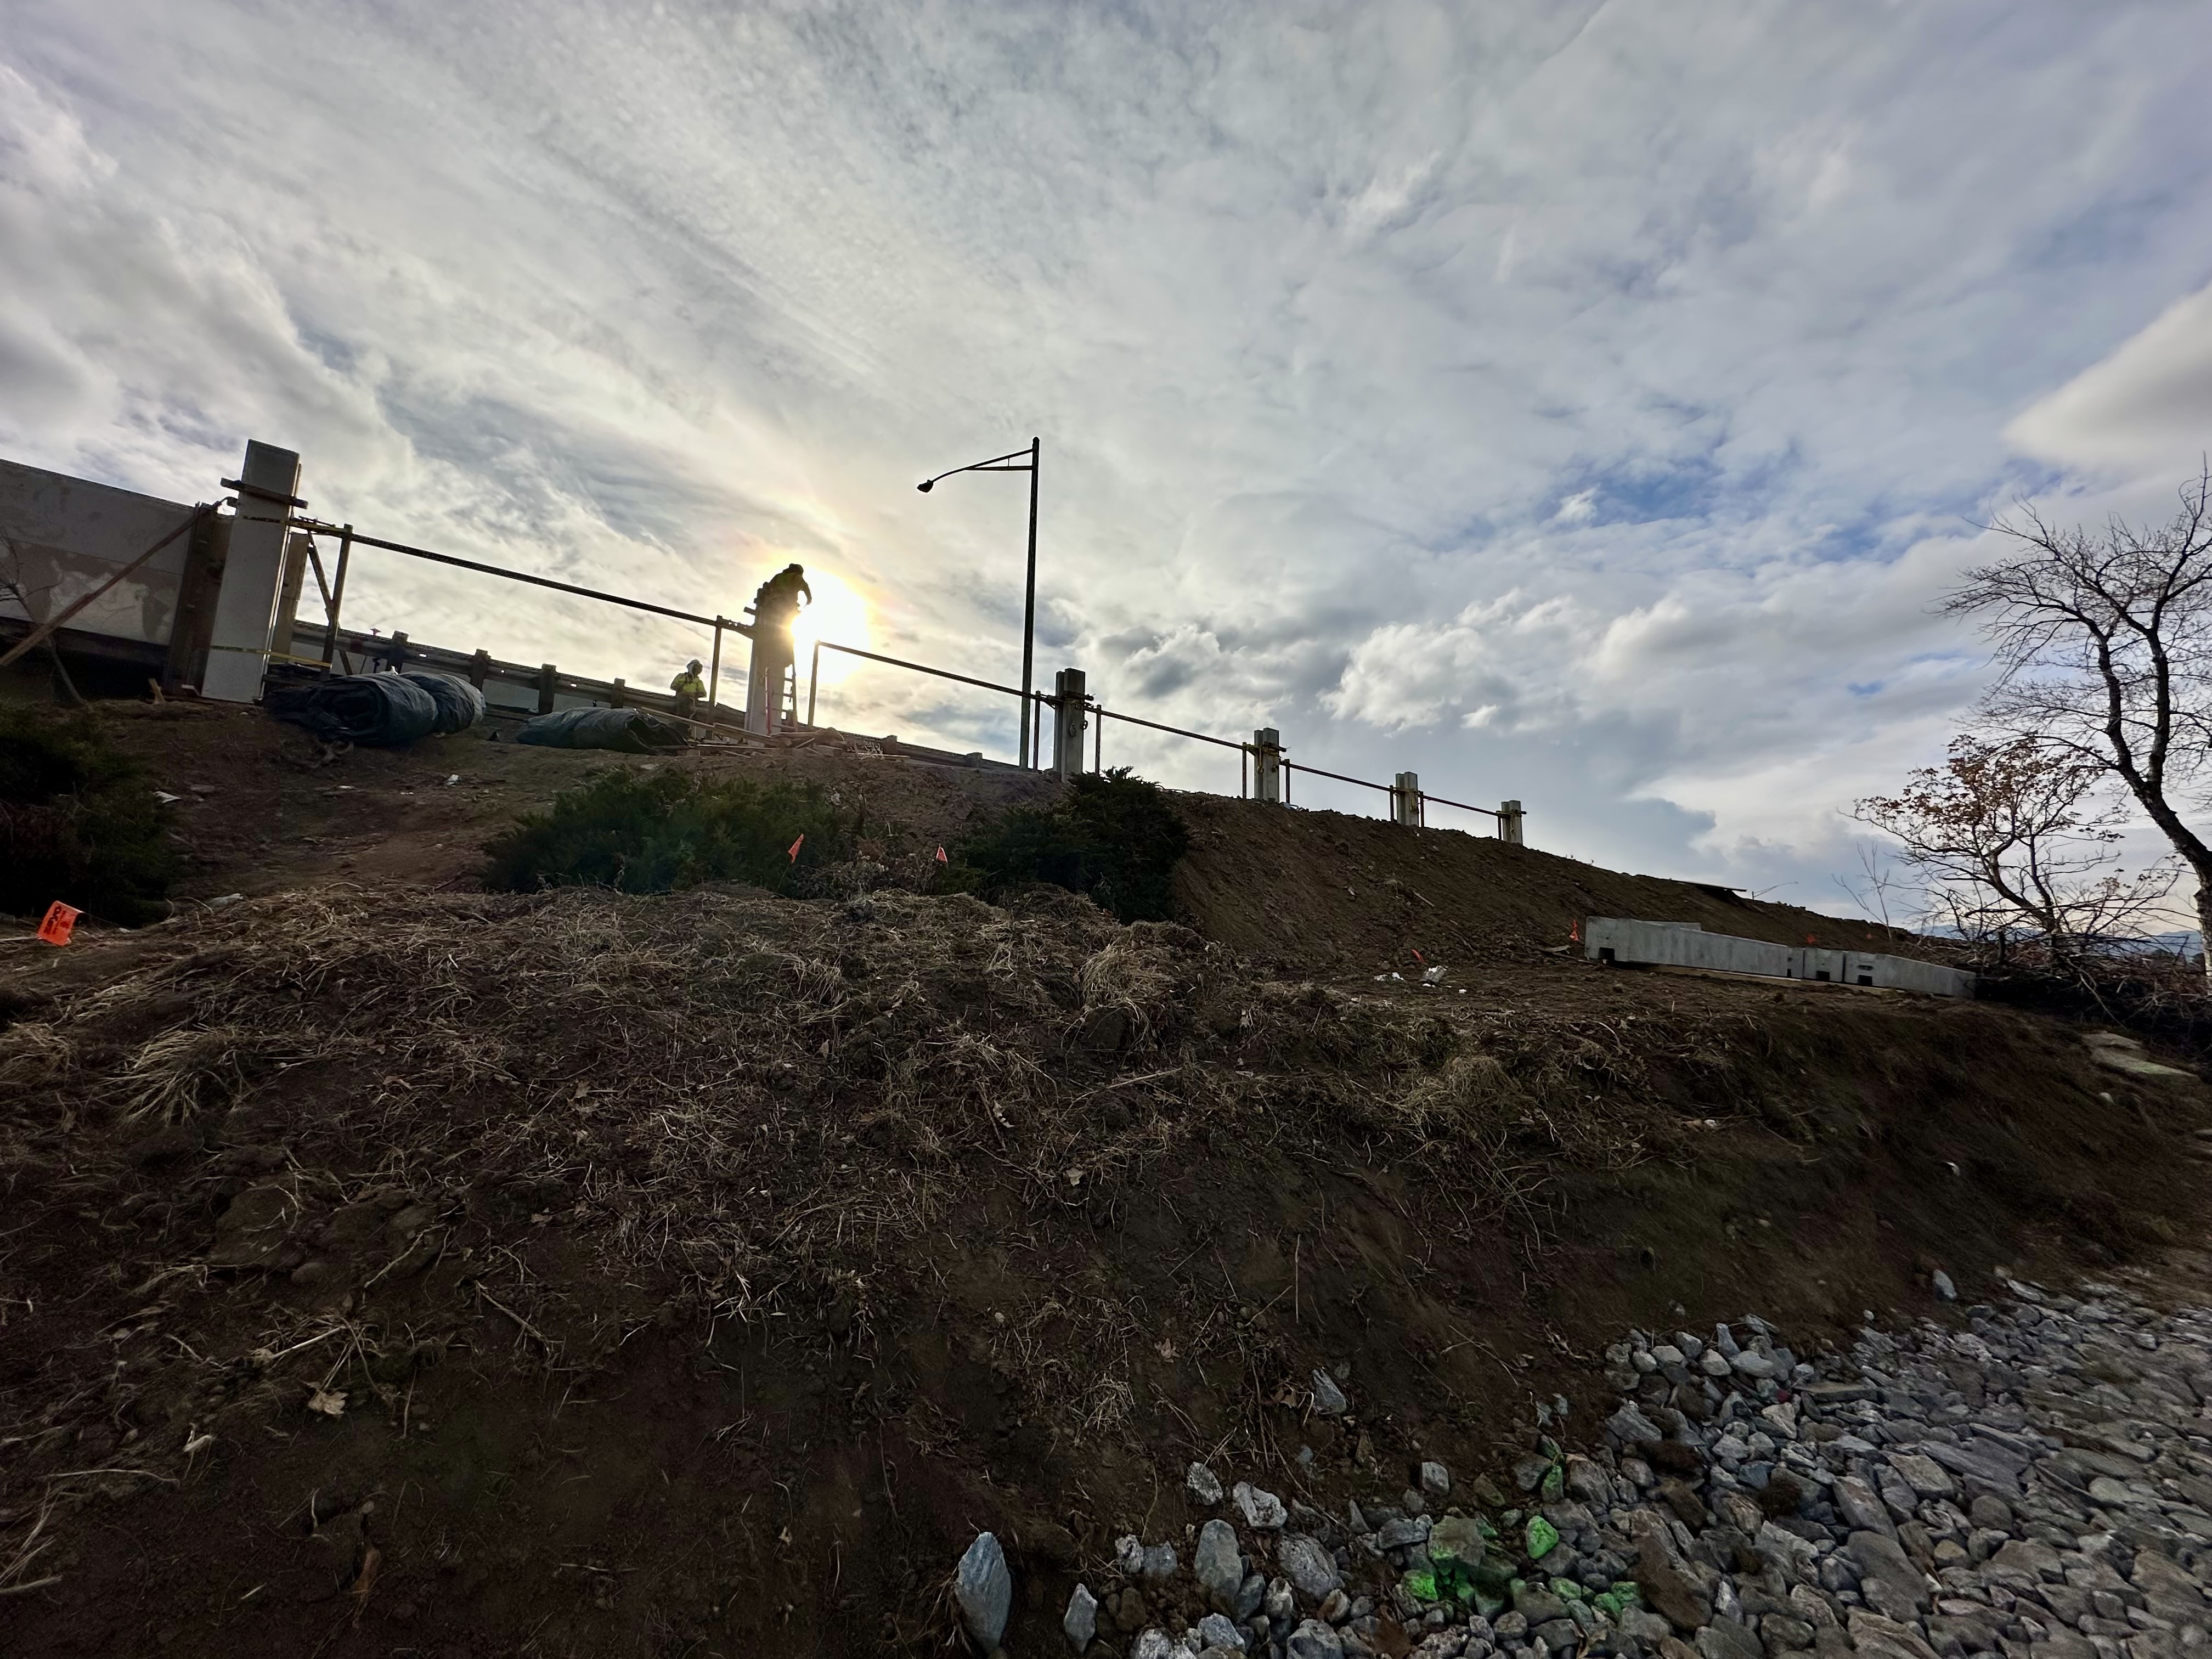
(1034, 703)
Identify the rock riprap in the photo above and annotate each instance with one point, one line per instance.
(2034, 1482)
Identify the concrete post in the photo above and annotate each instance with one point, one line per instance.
(252, 572)
(480, 668)
(1508, 822)
(764, 685)
(620, 696)
(1070, 720)
(1406, 800)
(546, 688)
(1268, 765)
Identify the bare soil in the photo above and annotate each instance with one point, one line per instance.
(390, 1267)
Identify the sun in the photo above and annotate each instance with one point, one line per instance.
(837, 614)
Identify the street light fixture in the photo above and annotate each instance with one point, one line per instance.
(1019, 460)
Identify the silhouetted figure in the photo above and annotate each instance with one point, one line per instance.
(775, 608)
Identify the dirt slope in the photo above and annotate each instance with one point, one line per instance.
(388, 1266)
(1330, 891)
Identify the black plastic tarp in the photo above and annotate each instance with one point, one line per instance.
(370, 709)
(460, 705)
(631, 730)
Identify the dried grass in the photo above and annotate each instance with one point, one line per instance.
(783, 1105)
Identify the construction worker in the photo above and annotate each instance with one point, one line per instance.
(689, 689)
(776, 607)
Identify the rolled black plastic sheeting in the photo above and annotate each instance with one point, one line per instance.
(379, 709)
(631, 730)
(460, 705)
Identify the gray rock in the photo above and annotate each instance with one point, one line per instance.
(1927, 1478)
(1311, 1569)
(1887, 1638)
(1756, 1366)
(1328, 1399)
(1587, 1483)
(1408, 1529)
(1728, 1639)
(1538, 1606)
(985, 1590)
(1982, 1462)
(1668, 1586)
(1944, 1287)
(1436, 1480)
(1631, 1425)
(1080, 1622)
(1216, 1631)
(1250, 1595)
(1314, 1640)
(1218, 1564)
(1713, 1363)
(1785, 1633)
(1262, 1510)
(1645, 1627)
(1129, 1554)
(1154, 1644)
(1159, 1564)
(1202, 1486)
(1891, 1584)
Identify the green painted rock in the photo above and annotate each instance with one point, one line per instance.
(1555, 1483)
(1421, 1584)
(1542, 1538)
(1566, 1590)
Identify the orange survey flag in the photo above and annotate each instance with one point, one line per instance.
(941, 859)
(795, 845)
(60, 918)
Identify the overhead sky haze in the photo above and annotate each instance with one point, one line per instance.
(1579, 403)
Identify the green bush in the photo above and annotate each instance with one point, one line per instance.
(1113, 837)
(78, 822)
(642, 831)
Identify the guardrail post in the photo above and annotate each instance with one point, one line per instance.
(480, 668)
(619, 698)
(1068, 722)
(1406, 800)
(1268, 765)
(545, 689)
(1508, 822)
(245, 603)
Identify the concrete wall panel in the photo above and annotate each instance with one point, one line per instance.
(69, 535)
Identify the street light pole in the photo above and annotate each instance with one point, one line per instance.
(1029, 620)
(1018, 460)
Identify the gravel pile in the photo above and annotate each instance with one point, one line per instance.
(2036, 1484)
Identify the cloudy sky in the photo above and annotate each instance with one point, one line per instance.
(1579, 401)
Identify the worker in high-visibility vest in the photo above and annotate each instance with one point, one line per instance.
(690, 689)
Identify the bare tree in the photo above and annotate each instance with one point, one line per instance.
(2015, 843)
(2104, 644)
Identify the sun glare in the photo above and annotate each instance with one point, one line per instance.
(838, 614)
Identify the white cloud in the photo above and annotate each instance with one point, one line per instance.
(1580, 402)
(2145, 409)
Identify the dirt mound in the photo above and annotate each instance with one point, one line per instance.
(259, 810)
(699, 1272)
(1329, 891)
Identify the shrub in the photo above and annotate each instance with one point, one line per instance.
(642, 831)
(78, 822)
(1113, 838)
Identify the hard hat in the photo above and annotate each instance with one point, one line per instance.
(693, 664)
